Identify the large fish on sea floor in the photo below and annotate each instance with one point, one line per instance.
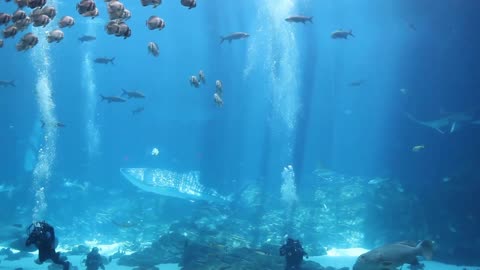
(172, 184)
(391, 256)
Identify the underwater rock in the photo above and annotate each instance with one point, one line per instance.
(60, 267)
(168, 249)
(5, 252)
(17, 256)
(117, 255)
(203, 257)
(146, 268)
(144, 258)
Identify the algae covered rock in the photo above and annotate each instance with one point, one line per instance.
(204, 257)
(168, 249)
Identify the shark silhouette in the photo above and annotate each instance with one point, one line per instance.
(449, 123)
(171, 184)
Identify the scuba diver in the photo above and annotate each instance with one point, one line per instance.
(293, 252)
(42, 235)
(94, 260)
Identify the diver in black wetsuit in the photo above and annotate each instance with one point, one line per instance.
(94, 260)
(293, 252)
(42, 235)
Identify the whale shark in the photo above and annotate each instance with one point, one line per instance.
(168, 183)
(449, 123)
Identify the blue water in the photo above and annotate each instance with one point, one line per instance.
(287, 101)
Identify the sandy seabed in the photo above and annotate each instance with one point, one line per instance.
(336, 261)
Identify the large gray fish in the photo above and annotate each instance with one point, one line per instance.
(55, 36)
(18, 15)
(7, 83)
(21, 3)
(86, 38)
(171, 184)
(1, 43)
(36, 3)
(155, 22)
(234, 36)
(5, 18)
(104, 60)
(27, 42)
(111, 99)
(10, 31)
(115, 10)
(154, 3)
(118, 28)
(189, 3)
(51, 12)
(391, 256)
(299, 19)
(23, 23)
(92, 13)
(66, 21)
(132, 94)
(126, 15)
(341, 34)
(86, 6)
(41, 20)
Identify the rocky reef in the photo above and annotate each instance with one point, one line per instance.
(201, 256)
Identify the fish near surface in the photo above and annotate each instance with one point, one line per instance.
(300, 19)
(154, 3)
(55, 36)
(66, 21)
(189, 3)
(391, 256)
(341, 34)
(104, 60)
(132, 94)
(234, 36)
(111, 99)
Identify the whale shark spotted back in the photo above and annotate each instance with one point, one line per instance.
(171, 184)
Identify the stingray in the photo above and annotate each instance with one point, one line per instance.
(185, 186)
(449, 123)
